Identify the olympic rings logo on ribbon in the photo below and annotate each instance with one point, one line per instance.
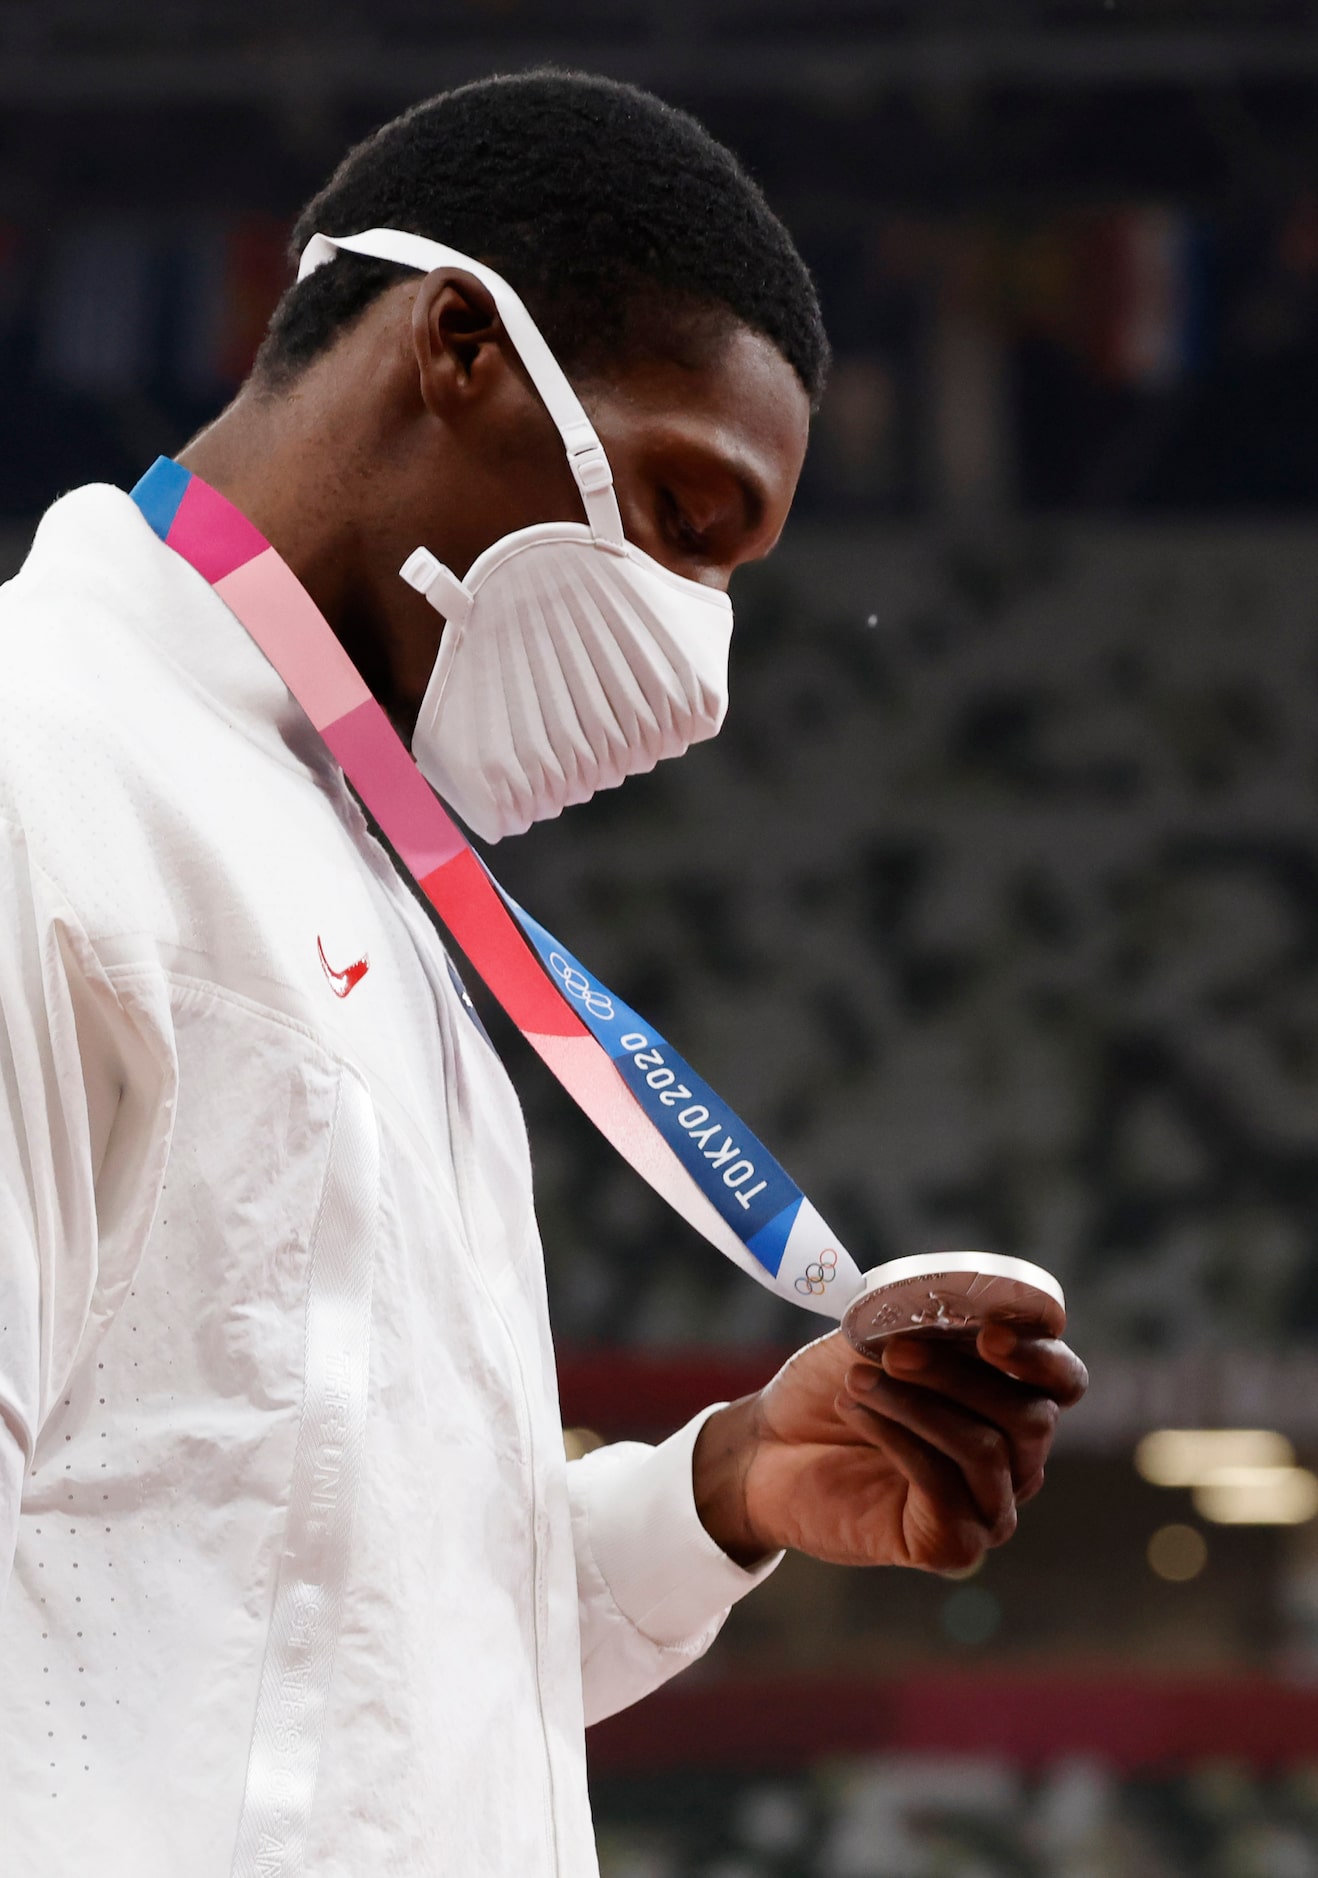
(578, 986)
(822, 1271)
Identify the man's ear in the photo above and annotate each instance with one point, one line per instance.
(457, 337)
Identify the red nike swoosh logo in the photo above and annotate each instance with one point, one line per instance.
(341, 983)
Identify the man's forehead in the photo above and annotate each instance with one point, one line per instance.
(743, 403)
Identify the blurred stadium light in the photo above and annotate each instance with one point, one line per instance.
(1193, 1457)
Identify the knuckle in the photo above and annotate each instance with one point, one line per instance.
(1029, 1488)
(1004, 1528)
(1039, 1420)
(989, 1447)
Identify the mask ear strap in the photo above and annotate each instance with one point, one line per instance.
(585, 452)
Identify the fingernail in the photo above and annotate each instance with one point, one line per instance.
(864, 1376)
(908, 1356)
(999, 1339)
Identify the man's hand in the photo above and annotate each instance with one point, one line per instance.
(921, 1459)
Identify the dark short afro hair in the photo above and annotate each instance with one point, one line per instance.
(622, 223)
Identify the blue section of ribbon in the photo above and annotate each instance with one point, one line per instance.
(734, 1171)
(770, 1242)
(159, 493)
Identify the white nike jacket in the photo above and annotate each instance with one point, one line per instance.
(301, 1582)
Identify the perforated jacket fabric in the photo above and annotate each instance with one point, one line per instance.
(298, 1578)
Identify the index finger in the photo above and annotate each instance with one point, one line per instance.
(1030, 1356)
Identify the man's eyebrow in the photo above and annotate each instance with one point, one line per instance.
(751, 487)
(727, 459)
(754, 498)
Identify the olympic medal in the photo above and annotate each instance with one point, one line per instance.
(951, 1294)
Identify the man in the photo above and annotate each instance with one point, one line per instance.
(300, 1579)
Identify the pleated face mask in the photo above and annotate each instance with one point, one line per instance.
(570, 658)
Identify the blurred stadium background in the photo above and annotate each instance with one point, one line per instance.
(996, 905)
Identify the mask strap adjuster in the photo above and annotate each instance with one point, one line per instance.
(594, 479)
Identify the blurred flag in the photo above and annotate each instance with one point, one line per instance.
(1144, 285)
(1126, 291)
(227, 277)
(255, 273)
(127, 306)
(95, 326)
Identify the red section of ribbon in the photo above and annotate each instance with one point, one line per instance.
(461, 893)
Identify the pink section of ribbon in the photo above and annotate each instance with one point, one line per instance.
(367, 748)
(211, 534)
(283, 619)
(591, 1078)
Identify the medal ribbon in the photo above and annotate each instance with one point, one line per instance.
(659, 1115)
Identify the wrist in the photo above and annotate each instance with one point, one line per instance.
(720, 1464)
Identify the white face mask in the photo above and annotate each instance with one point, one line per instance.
(571, 659)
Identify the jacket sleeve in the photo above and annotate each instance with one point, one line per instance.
(653, 1588)
(80, 1105)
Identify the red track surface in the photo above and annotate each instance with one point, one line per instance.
(785, 1723)
(639, 1393)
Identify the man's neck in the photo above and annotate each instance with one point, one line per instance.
(255, 454)
(271, 457)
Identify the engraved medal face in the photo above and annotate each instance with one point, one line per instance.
(951, 1295)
